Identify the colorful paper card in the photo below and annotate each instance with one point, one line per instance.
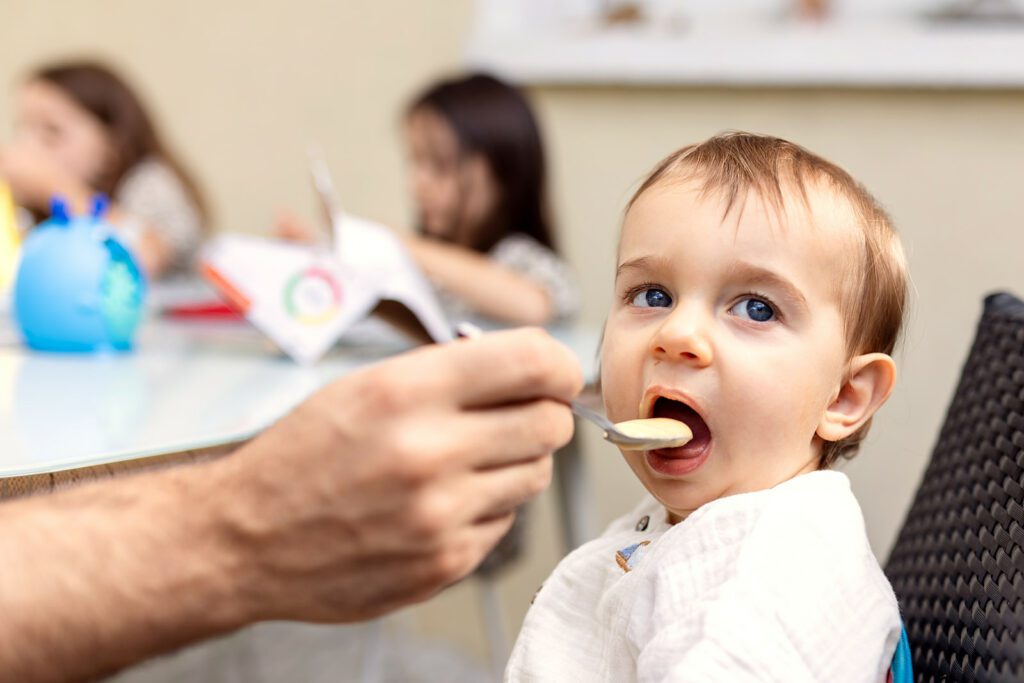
(304, 298)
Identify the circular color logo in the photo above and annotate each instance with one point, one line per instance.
(312, 296)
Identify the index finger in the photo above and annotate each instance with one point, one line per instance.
(504, 367)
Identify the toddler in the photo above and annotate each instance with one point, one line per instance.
(759, 294)
(81, 129)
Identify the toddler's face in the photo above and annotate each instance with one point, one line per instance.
(453, 192)
(732, 326)
(55, 125)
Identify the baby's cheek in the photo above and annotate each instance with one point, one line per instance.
(618, 386)
(782, 413)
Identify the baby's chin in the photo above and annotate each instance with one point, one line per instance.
(679, 504)
(679, 498)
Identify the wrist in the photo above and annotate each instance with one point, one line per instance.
(236, 587)
(253, 510)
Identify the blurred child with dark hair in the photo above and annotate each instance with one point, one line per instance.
(80, 129)
(478, 181)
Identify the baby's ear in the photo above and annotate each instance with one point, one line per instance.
(868, 384)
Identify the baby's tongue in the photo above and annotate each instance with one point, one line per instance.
(680, 411)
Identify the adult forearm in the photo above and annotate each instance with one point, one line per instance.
(97, 578)
(377, 491)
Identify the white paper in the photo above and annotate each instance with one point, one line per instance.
(304, 298)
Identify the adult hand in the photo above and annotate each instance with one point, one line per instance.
(376, 492)
(394, 482)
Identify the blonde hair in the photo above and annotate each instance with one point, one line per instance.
(874, 303)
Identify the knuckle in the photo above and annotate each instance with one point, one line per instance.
(541, 475)
(543, 361)
(406, 457)
(384, 391)
(565, 372)
(452, 563)
(500, 527)
(565, 425)
(556, 426)
(532, 353)
(506, 524)
(419, 454)
(431, 515)
(575, 370)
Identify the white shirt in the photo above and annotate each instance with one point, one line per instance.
(777, 585)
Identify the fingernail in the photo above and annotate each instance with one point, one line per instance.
(467, 330)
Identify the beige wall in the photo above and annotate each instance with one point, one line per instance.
(946, 165)
(241, 87)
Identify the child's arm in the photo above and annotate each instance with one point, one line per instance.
(490, 288)
(157, 217)
(152, 208)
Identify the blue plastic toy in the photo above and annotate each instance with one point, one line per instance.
(77, 288)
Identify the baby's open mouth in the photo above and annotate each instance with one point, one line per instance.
(676, 410)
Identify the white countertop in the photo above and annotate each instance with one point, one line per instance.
(185, 386)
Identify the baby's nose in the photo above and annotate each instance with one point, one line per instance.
(684, 337)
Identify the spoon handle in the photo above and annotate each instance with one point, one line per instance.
(595, 417)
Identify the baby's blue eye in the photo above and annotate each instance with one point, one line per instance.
(753, 309)
(652, 297)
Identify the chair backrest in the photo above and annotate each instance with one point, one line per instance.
(958, 563)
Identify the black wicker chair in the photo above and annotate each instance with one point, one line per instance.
(958, 563)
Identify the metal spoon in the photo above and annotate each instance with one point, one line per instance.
(631, 435)
(638, 435)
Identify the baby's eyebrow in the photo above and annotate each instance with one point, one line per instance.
(639, 263)
(756, 275)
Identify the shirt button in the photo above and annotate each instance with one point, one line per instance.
(642, 524)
